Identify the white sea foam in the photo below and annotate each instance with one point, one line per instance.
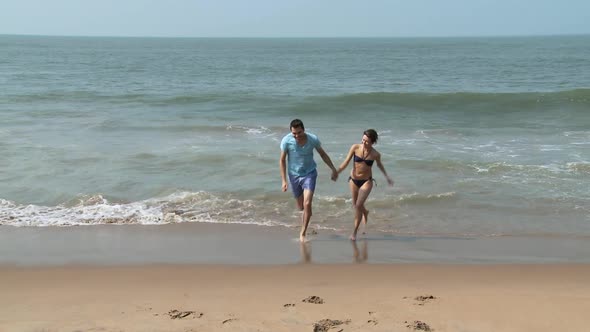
(554, 168)
(548, 147)
(414, 198)
(175, 208)
(425, 198)
(579, 167)
(257, 131)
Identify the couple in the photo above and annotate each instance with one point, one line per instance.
(297, 152)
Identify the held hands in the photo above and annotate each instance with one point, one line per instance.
(334, 176)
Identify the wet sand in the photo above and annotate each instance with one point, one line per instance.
(208, 277)
(203, 243)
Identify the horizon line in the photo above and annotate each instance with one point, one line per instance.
(303, 37)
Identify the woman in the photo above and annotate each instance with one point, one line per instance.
(361, 176)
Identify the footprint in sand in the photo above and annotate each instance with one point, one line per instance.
(289, 305)
(419, 326)
(422, 299)
(325, 324)
(178, 314)
(313, 299)
(372, 321)
(228, 320)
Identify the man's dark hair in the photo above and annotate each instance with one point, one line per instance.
(297, 124)
(372, 135)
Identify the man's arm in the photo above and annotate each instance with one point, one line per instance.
(283, 165)
(328, 162)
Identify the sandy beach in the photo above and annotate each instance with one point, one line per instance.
(205, 277)
(297, 297)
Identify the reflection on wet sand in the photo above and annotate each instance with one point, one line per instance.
(360, 251)
(305, 248)
(360, 256)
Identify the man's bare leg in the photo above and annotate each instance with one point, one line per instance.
(300, 202)
(307, 199)
(300, 207)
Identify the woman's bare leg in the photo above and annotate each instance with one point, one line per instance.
(359, 205)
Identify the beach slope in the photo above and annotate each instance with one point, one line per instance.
(297, 297)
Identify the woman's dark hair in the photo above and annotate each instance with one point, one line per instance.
(297, 124)
(372, 135)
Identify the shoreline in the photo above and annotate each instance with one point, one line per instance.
(373, 297)
(239, 244)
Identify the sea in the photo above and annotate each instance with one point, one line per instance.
(484, 137)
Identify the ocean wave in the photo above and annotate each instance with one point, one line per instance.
(416, 198)
(180, 207)
(258, 131)
(491, 168)
(579, 167)
(463, 100)
(578, 134)
(175, 208)
(246, 129)
(434, 165)
(412, 199)
(5, 133)
(496, 168)
(188, 99)
(152, 99)
(78, 96)
(521, 101)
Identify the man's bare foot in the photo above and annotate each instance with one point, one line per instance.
(302, 238)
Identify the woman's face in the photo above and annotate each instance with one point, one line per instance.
(366, 141)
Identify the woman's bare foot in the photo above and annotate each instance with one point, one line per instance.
(365, 216)
(352, 238)
(365, 219)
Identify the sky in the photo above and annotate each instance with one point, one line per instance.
(294, 18)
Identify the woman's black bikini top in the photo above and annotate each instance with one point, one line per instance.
(358, 159)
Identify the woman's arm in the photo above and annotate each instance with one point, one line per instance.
(380, 165)
(347, 160)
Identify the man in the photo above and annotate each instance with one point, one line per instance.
(297, 147)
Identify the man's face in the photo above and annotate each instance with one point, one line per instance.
(298, 133)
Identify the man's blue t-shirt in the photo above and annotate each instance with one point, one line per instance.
(300, 158)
